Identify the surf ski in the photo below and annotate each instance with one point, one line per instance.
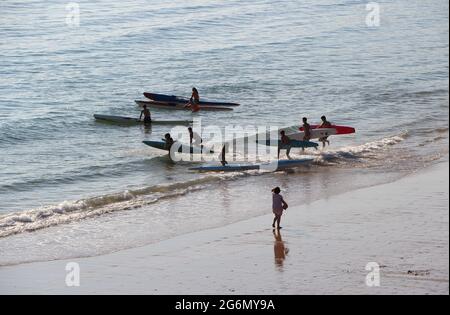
(182, 148)
(177, 99)
(131, 120)
(281, 165)
(180, 106)
(292, 143)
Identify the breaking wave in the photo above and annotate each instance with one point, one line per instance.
(367, 150)
(70, 211)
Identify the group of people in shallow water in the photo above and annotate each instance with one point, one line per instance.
(196, 140)
(286, 141)
(279, 205)
(194, 104)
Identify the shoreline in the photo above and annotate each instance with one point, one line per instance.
(324, 248)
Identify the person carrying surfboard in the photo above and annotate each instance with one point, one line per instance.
(285, 144)
(278, 206)
(147, 116)
(324, 124)
(194, 101)
(306, 130)
(169, 141)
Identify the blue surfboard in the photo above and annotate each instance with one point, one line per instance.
(281, 165)
(176, 99)
(183, 148)
(292, 143)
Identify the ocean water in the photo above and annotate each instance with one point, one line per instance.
(73, 187)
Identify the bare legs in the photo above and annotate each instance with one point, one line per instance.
(277, 220)
(288, 151)
(324, 141)
(222, 159)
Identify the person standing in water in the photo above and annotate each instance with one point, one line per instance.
(285, 144)
(147, 116)
(306, 129)
(324, 124)
(195, 97)
(278, 206)
(194, 101)
(194, 138)
(223, 159)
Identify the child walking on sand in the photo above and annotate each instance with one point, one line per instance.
(278, 206)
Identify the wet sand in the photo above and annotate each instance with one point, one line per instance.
(323, 248)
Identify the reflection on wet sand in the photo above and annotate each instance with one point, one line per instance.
(280, 250)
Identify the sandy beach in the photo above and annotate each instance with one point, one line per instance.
(323, 248)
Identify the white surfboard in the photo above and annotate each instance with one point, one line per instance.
(294, 134)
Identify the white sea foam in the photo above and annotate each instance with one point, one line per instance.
(366, 150)
(69, 211)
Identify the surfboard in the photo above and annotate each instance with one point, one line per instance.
(293, 143)
(130, 120)
(177, 99)
(294, 134)
(340, 130)
(180, 106)
(182, 148)
(281, 165)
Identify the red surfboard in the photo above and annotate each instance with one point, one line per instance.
(340, 130)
